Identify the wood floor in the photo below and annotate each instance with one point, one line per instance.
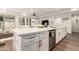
(8, 45)
(69, 43)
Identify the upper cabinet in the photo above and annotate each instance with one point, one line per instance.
(24, 22)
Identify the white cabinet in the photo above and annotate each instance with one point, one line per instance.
(32, 47)
(35, 22)
(23, 21)
(44, 41)
(32, 42)
(60, 34)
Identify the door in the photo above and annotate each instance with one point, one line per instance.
(75, 24)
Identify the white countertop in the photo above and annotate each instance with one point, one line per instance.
(34, 30)
(30, 30)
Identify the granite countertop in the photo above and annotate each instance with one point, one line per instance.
(30, 30)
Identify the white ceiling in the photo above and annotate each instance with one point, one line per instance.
(38, 11)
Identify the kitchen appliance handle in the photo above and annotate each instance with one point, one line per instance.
(40, 43)
(31, 37)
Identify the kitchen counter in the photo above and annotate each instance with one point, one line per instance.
(31, 30)
(60, 26)
(20, 31)
(28, 39)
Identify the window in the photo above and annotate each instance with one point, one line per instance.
(22, 22)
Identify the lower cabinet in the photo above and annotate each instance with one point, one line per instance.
(30, 42)
(33, 42)
(58, 38)
(33, 47)
(60, 34)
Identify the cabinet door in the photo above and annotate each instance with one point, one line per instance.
(33, 47)
(44, 45)
(21, 21)
(58, 33)
(44, 42)
(63, 32)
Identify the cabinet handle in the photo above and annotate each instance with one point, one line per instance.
(59, 33)
(40, 43)
(32, 37)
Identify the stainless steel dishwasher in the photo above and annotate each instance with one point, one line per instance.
(52, 39)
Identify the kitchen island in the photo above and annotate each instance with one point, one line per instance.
(31, 39)
(36, 39)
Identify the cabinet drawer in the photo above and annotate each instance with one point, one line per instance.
(29, 42)
(44, 34)
(33, 47)
(30, 37)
